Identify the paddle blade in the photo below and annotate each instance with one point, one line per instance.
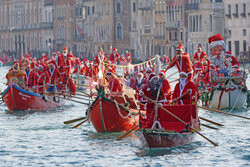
(125, 134)
(76, 126)
(74, 120)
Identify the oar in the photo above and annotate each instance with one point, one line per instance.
(176, 99)
(207, 126)
(76, 126)
(218, 111)
(174, 80)
(215, 144)
(77, 94)
(66, 99)
(216, 123)
(128, 132)
(70, 96)
(74, 120)
(84, 93)
(172, 74)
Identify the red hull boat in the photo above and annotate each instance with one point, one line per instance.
(17, 99)
(107, 115)
(170, 132)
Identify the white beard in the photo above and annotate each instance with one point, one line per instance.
(183, 81)
(139, 80)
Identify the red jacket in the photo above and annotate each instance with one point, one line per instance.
(183, 64)
(41, 77)
(30, 78)
(200, 57)
(166, 89)
(54, 74)
(100, 58)
(180, 90)
(114, 57)
(114, 85)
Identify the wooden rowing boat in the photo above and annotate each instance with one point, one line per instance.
(167, 131)
(17, 99)
(108, 114)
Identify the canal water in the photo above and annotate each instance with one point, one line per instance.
(41, 139)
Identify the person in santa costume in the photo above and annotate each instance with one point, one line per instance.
(30, 77)
(128, 57)
(149, 74)
(41, 79)
(114, 56)
(200, 55)
(184, 91)
(234, 61)
(129, 80)
(153, 91)
(165, 86)
(123, 61)
(113, 83)
(54, 77)
(100, 58)
(140, 81)
(182, 62)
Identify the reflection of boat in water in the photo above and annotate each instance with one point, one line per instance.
(17, 99)
(167, 131)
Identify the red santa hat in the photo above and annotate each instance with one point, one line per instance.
(28, 65)
(216, 40)
(228, 53)
(179, 48)
(91, 62)
(41, 66)
(152, 76)
(140, 73)
(149, 69)
(212, 67)
(15, 62)
(199, 46)
(183, 73)
(115, 49)
(162, 72)
(110, 71)
(52, 63)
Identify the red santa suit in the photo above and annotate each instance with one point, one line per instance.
(114, 85)
(184, 64)
(165, 88)
(180, 89)
(128, 57)
(114, 56)
(200, 56)
(30, 78)
(41, 78)
(54, 75)
(100, 58)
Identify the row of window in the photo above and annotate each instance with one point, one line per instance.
(237, 47)
(195, 23)
(236, 10)
(174, 36)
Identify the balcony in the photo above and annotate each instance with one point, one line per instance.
(192, 6)
(46, 25)
(173, 25)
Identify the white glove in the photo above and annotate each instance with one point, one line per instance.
(159, 104)
(141, 93)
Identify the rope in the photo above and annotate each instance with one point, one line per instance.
(235, 101)
(131, 64)
(118, 109)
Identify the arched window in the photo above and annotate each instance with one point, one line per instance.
(118, 7)
(119, 31)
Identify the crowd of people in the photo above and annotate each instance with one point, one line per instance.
(55, 73)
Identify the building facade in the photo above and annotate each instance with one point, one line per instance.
(237, 25)
(176, 26)
(205, 18)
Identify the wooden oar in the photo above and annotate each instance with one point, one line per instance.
(127, 133)
(84, 93)
(216, 123)
(70, 96)
(176, 99)
(74, 120)
(77, 94)
(66, 99)
(215, 144)
(207, 126)
(218, 111)
(76, 126)
(173, 80)
(172, 74)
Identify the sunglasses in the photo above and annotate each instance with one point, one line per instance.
(161, 74)
(148, 71)
(108, 74)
